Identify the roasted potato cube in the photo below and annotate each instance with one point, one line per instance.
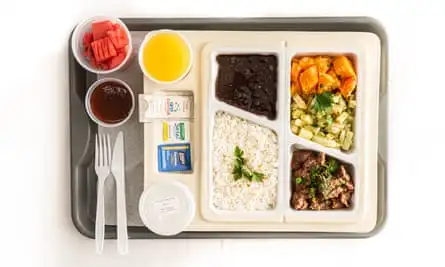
(343, 67)
(326, 83)
(309, 80)
(295, 83)
(295, 71)
(323, 64)
(347, 86)
(295, 89)
(332, 73)
(306, 62)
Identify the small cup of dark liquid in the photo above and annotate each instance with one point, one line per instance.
(109, 102)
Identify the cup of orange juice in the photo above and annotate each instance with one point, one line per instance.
(165, 56)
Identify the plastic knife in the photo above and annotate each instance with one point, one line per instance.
(118, 170)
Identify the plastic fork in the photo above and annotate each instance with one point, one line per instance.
(102, 162)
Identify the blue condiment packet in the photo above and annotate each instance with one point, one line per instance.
(174, 158)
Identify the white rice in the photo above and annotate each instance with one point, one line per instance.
(260, 148)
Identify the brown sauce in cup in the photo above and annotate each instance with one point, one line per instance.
(111, 102)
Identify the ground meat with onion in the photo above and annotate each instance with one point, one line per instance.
(320, 182)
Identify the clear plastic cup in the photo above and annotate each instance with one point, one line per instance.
(148, 37)
(77, 46)
(167, 207)
(88, 107)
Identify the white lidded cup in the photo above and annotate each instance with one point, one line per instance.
(167, 207)
(89, 107)
(148, 37)
(77, 44)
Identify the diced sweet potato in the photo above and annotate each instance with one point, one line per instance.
(309, 80)
(343, 67)
(332, 73)
(306, 62)
(323, 63)
(347, 86)
(295, 89)
(295, 71)
(326, 83)
(295, 74)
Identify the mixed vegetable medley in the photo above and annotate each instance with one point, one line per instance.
(323, 100)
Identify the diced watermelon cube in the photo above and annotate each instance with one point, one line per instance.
(86, 43)
(93, 63)
(116, 26)
(100, 29)
(103, 49)
(117, 60)
(104, 66)
(118, 37)
(88, 53)
(122, 49)
(87, 39)
(111, 49)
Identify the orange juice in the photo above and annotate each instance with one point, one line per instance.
(166, 56)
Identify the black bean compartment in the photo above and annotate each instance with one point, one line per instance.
(248, 82)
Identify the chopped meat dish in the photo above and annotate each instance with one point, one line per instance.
(319, 182)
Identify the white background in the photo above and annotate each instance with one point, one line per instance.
(35, 224)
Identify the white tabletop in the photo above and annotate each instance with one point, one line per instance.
(34, 151)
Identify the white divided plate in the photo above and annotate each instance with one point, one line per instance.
(363, 155)
(363, 158)
(210, 212)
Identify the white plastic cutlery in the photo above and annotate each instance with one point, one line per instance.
(102, 160)
(118, 170)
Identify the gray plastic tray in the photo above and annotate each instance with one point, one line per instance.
(83, 178)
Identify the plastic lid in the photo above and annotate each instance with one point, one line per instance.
(167, 208)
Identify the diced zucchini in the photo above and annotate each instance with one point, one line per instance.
(325, 141)
(341, 119)
(307, 119)
(336, 98)
(342, 103)
(320, 115)
(310, 128)
(342, 137)
(337, 109)
(316, 130)
(338, 125)
(330, 136)
(346, 145)
(305, 133)
(294, 129)
(298, 123)
(299, 101)
(297, 113)
(352, 104)
(323, 122)
(335, 128)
